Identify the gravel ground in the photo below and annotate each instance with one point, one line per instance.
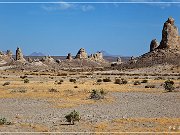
(126, 105)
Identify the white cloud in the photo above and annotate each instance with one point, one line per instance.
(58, 6)
(158, 3)
(65, 5)
(68, 6)
(87, 8)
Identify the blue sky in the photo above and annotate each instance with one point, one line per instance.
(57, 29)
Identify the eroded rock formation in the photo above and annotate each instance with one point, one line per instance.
(168, 52)
(69, 56)
(170, 36)
(47, 59)
(81, 54)
(97, 56)
(19, 55)
(154, 44)
(119, 60)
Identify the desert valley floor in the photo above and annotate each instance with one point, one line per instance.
(41, 104)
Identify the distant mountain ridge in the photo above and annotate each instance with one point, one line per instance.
(37, 54)
(108, 54)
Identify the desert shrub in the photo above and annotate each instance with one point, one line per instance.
(120, 81)
(178, 78)
(159, 78)
(6, 83)
(22, 91)
(72, 117)
(51, 77)
(26, 80)
(144, 81)
(53, 90)
(137, 83)
(75, 86)
(136, 77)
(23, 77)
(106, 80)
(99, 80)
(59, 81)
(3, 121)
(150, 86)
(169, 86)
(102, 92)
(72, 80)
(95, 94)
(62, 74)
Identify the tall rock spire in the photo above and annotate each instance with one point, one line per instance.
(170, 35)
(19, 55)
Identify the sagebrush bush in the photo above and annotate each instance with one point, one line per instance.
(6, 83)
(144, 81)
(72, 80)
(150, 86)
(23, 77)
(106, 80)
(99, 80)
(59, 81)
(22, 91)
(26, 80)
(3, 121)
(169, 85)
(62, 74)
(95, 94)
(159, 78)
(53, 90)
(120, 81)
(72, 117)
(137, 83)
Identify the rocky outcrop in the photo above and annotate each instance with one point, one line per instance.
(170, 36)
(167, 52)
(119, 61)
(58, 61)
(154, 44)
(47, 59)
(6, 58)
(133, 60)
(30, 60)
(81, 54)
(19, 55)
(96, 56)
(69, 56)
(9, 53)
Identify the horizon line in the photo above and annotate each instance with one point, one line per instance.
(91, 2)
